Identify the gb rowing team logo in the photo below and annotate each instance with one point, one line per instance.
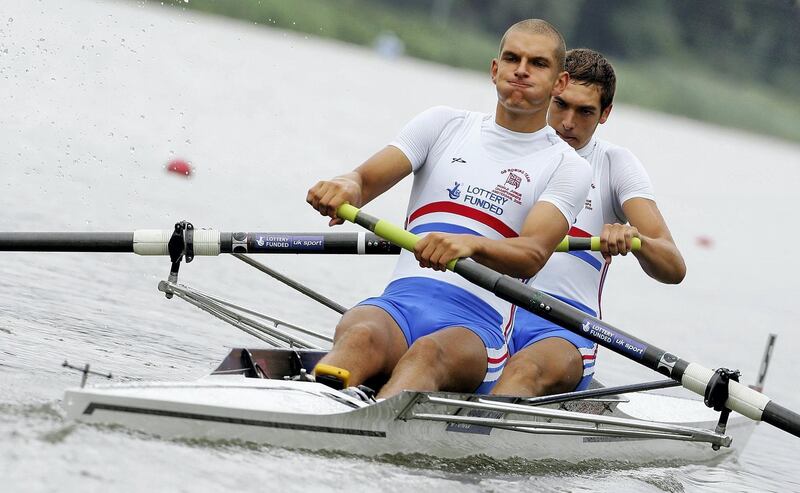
(510, 189)
(513, 180)
(454, 192)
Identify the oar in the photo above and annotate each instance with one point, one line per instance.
(204, 242)
(692, 376)
(572, 243)
(212, 242)
(209, 242)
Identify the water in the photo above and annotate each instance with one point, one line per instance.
(97, 97)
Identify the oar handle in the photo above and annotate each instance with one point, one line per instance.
(397, 235)
(407, 240)
(573, 243)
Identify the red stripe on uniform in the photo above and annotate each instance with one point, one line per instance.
(510, 321)
(588, 356)
(573, 231)
(465, 211)
(497, 360)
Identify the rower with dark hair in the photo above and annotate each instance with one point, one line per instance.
(501, 188)
(546, 358)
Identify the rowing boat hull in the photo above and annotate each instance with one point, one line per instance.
(308, 415)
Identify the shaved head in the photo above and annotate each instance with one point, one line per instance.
(538, 26)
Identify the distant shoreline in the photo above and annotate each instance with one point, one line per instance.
(659, 85)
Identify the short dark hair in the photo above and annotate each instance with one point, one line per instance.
(589, 67)
(538, 26)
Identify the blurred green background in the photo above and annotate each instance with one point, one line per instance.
(731, 62)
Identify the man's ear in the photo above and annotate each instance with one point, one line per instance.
(605, 113)
(493, 70)
(561, 83)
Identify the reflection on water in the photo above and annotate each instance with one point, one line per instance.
(98, 97)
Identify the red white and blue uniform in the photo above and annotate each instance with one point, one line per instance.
(472, 176)
(577, 277)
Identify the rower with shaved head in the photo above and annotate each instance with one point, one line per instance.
(621, 205)
(499, 187)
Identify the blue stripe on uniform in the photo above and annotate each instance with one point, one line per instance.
(443, 228)
(588, 258)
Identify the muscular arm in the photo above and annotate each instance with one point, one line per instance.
(521, 257)
(659, 256)
(375, 176)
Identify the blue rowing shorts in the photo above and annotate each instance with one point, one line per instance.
(421, 306)
(530, 329)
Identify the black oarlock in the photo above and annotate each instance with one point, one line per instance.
(716, 395)
(180, 246)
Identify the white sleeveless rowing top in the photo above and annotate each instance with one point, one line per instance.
(474, 177)
(617, 176)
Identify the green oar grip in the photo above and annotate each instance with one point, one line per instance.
(347, 212)
(573, 243)
(397, 235)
